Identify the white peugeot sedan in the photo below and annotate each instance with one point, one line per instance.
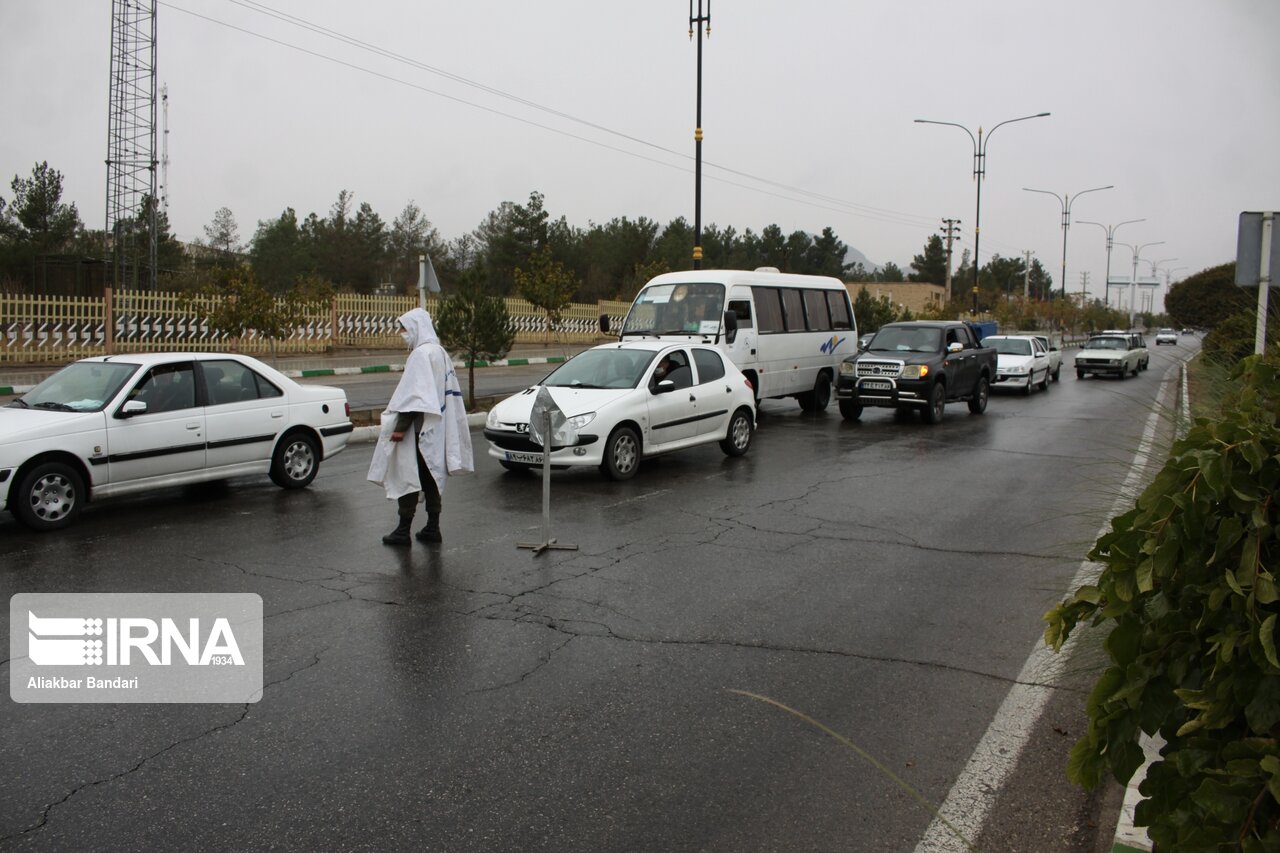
(630, 400)
(119, 424)
(1022, 362)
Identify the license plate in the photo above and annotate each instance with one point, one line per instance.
(526, 458)
(875, 385)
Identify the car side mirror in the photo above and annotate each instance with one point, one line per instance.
(604, 324)
(730, 326)
(131, 408)
(955, 346)
(665, 386)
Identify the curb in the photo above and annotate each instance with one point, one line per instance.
(364, 434)
(399, 368)
(1130, 838)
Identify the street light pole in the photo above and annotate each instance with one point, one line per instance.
(1064, 201)
(1111, 233)
(1133, 280)
(979, 171)
(694, 24)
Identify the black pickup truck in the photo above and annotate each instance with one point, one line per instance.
(917, 365)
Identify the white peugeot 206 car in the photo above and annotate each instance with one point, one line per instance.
(115, 425)
(630, 400)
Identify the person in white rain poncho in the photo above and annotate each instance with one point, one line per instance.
(427, 406)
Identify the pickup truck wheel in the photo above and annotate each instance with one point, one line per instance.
(850, 410)
(978, 402)
(819, 398)
(937, 404)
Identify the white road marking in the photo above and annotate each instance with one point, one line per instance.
(974, 793)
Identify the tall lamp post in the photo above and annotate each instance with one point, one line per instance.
(1064, 201)
(1133, 280)
(979, 171)
(1111, 233)
(1155, 273)
(695, 22)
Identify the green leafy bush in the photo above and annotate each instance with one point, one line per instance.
(1189, 588)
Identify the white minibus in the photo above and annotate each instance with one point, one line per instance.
(788, 333)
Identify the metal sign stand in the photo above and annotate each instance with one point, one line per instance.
(547, 543)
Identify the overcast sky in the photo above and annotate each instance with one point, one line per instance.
(810, 102)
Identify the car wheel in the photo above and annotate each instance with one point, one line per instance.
(819, 398)
(738, 437)
(1057, 374)
(850, 410)
(621, 454)
(295, 462)
(1079, 374)
(937, 404)
(1044, 383)
(978, 402)
(514, 466)
(49, 496)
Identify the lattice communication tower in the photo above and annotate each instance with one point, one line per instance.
(131, 145)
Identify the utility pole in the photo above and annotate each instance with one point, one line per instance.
(950, 227)
(694, 24)
(1026, 276)
(1084, 289)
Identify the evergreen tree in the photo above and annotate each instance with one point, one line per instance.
(931, 265)
(474, 325)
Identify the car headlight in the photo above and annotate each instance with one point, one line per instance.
(492, 421)
(915, 371)
(579, 421)
(846, 368)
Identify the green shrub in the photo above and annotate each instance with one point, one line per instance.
(1188, 586)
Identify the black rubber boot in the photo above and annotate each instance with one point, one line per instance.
(399, 536)
(430, 533)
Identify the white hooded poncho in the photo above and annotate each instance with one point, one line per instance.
(430, 386)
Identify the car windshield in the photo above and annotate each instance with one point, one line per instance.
(905, 339)
(667, 309)
(85, 386)
(601, 368)
(1106, 343)
(1167, 332)
(1009, 346)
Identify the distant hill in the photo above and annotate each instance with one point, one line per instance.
(853, 256)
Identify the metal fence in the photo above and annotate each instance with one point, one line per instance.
(36, 329)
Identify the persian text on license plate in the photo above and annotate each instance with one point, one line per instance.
(528, 458)
(875, 385)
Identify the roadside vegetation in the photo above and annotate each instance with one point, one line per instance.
(1187, 597)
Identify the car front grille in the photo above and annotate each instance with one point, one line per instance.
(872, 367)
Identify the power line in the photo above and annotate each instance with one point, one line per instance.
(841, 206)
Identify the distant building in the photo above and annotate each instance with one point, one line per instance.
(915, 295)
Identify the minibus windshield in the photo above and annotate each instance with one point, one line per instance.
(694, 308)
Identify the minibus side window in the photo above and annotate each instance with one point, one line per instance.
(815, 308)
(793, 309)
(839, 305)
(742, 308)
(768, 310)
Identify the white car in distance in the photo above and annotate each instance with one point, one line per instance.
(627, 401)
(1022, 362)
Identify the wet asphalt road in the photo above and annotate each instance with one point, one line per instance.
(885, 577)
